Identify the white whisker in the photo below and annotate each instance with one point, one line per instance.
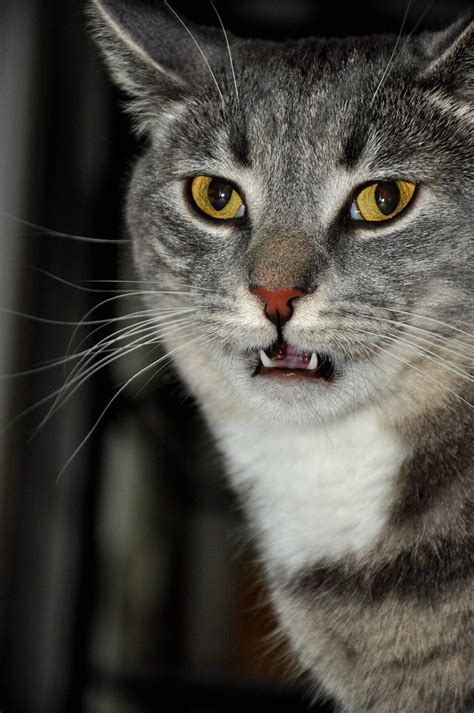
(199, 48)
(43, 320)
(417, 23)
(81, 378)
(57, 392)
(228, 50)
(455, 342)
(59, 234)
(392, 56)
(211, 339)
(126, 291)
(422, 351)
(75, 382)
(80, 286)
(101, 304)
(432, 319)
(189, 288)
(432, 343)
(104, 344)
(81, 323)
(423, 373)
(82, 370)
(122, 388)
(155, 316)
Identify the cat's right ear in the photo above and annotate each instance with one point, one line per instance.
(149, 53)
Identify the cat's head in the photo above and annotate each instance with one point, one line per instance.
(307, 197)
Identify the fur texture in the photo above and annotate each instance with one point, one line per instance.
(358, 488)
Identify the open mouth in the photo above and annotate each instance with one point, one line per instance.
(285, 361)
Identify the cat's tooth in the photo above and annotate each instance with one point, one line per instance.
(313, 362)
(266, 361)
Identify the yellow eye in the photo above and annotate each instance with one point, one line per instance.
(382, 201)
(217, 197)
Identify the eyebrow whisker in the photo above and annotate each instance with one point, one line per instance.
(228, 50)
(199, 48)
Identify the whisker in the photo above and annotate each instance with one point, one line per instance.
(81, 378)
(132, 293)
(57, 392)
(65, 392)
(199, 48)
(58, 233)
(211, 339)
(437, 358)
(81, 323)
(148, 325)
(80, 285)
(63, 281)
(42, 320)
(60, 390)
(431, 356)
(142, 328)
(456, 342)
(47, 366)
(392, 56)
(417, 23)
(432, 319)
(63, 360)
(114, 398)
(462, 355)
(437, 345)
(228, 50)
(158, 282)
(399, 328)
(95, 307)
(191, 330)
(86, 366)
(156, 316)
(423, 373)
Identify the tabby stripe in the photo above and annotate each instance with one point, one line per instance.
(419, 662)
(431, 569)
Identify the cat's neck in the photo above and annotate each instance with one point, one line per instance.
(318, 490)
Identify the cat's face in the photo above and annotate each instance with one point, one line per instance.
(304, 130)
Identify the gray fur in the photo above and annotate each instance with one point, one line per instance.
(391, 631)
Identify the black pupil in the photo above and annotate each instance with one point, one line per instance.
(219, 193)
(387, 196)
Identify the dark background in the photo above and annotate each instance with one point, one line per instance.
(124, 585)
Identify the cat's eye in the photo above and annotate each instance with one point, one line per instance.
(217, 197)
(382, 201)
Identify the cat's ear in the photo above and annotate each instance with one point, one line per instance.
(154, 56)
(451, 59)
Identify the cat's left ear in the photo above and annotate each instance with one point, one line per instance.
(156, 57)
(451, 59)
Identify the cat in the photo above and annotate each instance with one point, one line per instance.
(310, 203)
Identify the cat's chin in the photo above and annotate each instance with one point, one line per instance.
(236, 383)
(299, 396)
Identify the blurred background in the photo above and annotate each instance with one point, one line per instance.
(125, 585)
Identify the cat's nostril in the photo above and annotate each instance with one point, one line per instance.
(278, 306)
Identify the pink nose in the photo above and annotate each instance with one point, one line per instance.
(277, 302)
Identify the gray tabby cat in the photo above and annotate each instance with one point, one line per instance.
(313, 201)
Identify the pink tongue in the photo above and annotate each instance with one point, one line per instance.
(289, 357)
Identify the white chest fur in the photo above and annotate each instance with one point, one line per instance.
(317, 491)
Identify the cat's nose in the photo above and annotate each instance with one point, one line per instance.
(278, 307)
